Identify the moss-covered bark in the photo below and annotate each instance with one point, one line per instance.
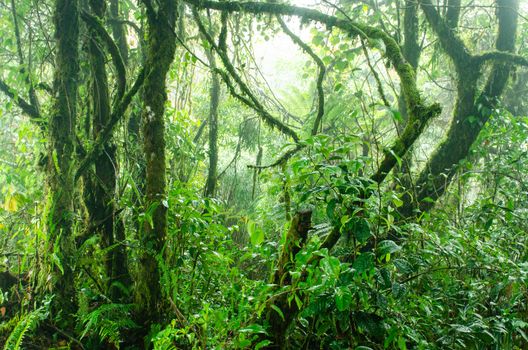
(118, 29)
(160, 54)
(295, 240)
(419, 113)
(411, 49)
(60, 167)
(100, 187)
(214, 95)
(472, 108)
(453, 13)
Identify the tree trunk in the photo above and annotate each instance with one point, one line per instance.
(453, 13)
(160, 53)
(118, 30)
(411, 49)
(60, 167)
(295, 240)
(472, 110)
(210, 186)
(102, 186)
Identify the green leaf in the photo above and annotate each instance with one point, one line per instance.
(256, 235)
(403, 266)
(341, 65)
(330, 208)
(278, 310)
(401, 343)
(387, 247)
(331, 266)
(254, 328)
(397, 202)
(343, 298)
(364, 262)
(361, 230)
(262, 344)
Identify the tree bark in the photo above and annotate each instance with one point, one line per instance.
(60, 168)
(118, 30)
(160, 54)
(453, 13)
(472, 109)
(411, 49)
(295, 240)
(210, 186)
(101, 186)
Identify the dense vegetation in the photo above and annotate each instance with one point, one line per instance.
(200, 174)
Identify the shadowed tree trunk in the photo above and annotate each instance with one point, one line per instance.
(214, 93)
(101, 186)
(118, 30)
(295, 240)
(411, 49)
(160, 53)
(120, 272)
(60, 168)
(472, 110)
(453, 13)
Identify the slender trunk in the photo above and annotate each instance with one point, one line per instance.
(61, 158)
(210, 186)
(102, 186)
(411, 49)
(120, 272)
(160, 54)
(118, 30)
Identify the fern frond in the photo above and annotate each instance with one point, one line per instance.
(107, 321)
(24, 325)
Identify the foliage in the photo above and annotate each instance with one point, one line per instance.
(26, 323)
(427, 255)
(108, 321)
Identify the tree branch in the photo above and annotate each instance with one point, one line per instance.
(320, 75)
(253, 101)
(105, 134)
(452, 44)
(419, 114)
(95, 24)
(502, 57)
(27, 108)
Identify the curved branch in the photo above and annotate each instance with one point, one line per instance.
(281, 160)
(27, 108)
(320, 75)
(418, 112)
(95, 24)
(502, 57)
(452, 44)
(105, 134)
(251, 101)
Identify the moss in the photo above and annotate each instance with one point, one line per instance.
(60, 169)
(160, 54)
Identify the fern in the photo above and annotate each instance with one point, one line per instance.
(24, 325)
(107, 321)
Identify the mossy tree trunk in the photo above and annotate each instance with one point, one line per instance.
(214, 95)
(294, 242)
(101, 186)
(453, 13)
(160, 54)
(472, 109)
(411, 48)
(60, 168)
(118, 29)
